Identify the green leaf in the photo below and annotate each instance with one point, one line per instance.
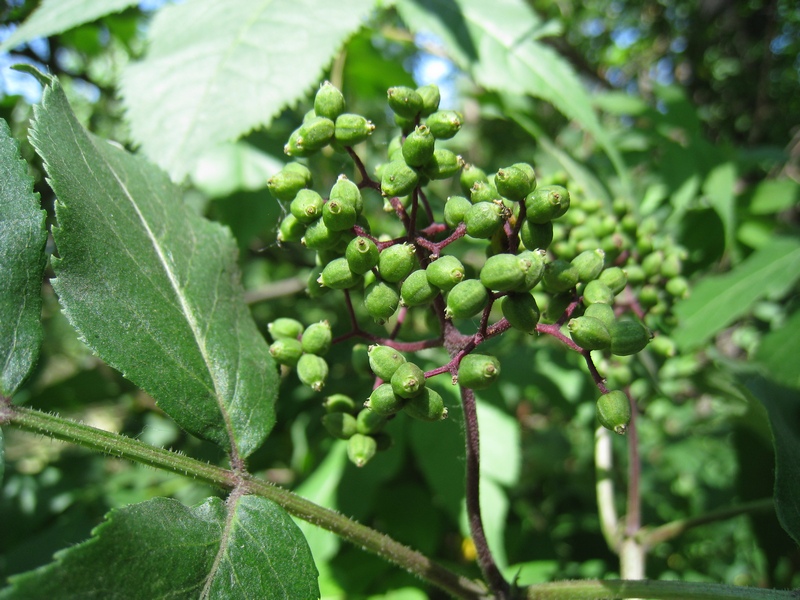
(57, 16)
(774, 195)
(245, 548)
(2, 457)
(493, 42)
(215, 70)
(152, 287)
(719, 190)
(779, 350)
(228, 168)
(783, 408)
(499, 444)
(718, 301)
(22, 260)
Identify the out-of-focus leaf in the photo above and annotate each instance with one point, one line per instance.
(719, 190)
(779, 352)
(493, 42)
(229, 168)
(620, 103)
(2, 457)
(530, 573)
(718, 301)
(248, 548)
(22, 260)
(57, 16)
(215, 70)
(783, 408)
(500, 445)
(494, 513)
(774, 195)
(146, 282)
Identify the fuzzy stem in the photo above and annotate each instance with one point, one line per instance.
(655, 590)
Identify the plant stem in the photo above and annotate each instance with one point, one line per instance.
(655, 590)
(633, 552)
(491, 573)
(134, 450)
(604, 486)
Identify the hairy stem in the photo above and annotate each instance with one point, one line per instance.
(655, 590)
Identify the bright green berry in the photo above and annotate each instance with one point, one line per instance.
(430, 98)
(316, 338)
(290, 229)
(341, 425)
(560, 276)
(536, 235)
(285, 184)
(445, 272)
(408, 380)
(478, 371)
(597, 292)
(328, 101)
(533, 264)
(484, 219)
(615, 278)
(614, 411)
(383, 401)
(466, 299)
(398, 179)
(677, 287)
(307, 206)
(503, 272)
(417, 290)
(404, 101)
(529, 172)
(396, 262)
(361, 448)
(369, 422)
(313, 287)
(589, 264)
(589, 333)
(381, 300)
(316, 133)
(319, 237)
(337, 275)
(284, 327)
(603, 312)
(455, 208)
(521, 311)
(339, 216)
(418, 147)
(546, 203)
(443, 164)
(664, 346)
(286, 351)
(628, 337)
(483, 191)
(347, 192)
(426, 406)
(361, 254)
(339, 403)
(352, 129)
(384, 361)
(512, 183)
(444, 124)
(470, 174)
(312, 370)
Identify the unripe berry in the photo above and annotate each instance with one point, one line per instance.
(503, 273)
(312, 370)
(597, 292)
(556, 306)
(426, 406)
(512, 183)
(369, 422)
(339, 216)
(651, 264)
(589, 264)
(404, 101)
(339, 403)
(286, 351)
(361, 448)
(383, 401)
(285, 184)
(677, 287)
(445, 272)
(529, 172)
(483, 219)
(664, 346)
(478, 371)
(352, 129)
(466, 299)
(337, 275)
(295, 146)
(455, 208)
(313, 287)
(319, 237)
(316, 133)
(615, 278)
(470, 175)
(418, 147)
(284, 327)
(290, 229)
(602, 312)
(628, 337)
(408, 380)
(589, 333)
(536, 235)
(417, 290)
(381, 300)
(444, 124)
(443, 164)
(396, 262)
(340, 425)
(546, 203)
(671, 267)
(307, 206)
(361, 255)
(316, 338)
(483, 191)
(614, 411)
(328, 101)
(560, 276)
(521, 311)
(430, 98)
(634, 273)
(347, 192)
(398, 179)
(384, 361)
(533, 265)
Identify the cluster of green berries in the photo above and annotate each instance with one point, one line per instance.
(303, 348)
(573, 260)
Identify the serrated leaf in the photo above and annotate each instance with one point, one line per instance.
(22, 260)
(215, 70)
(778, 351)
(152, 287)
(718, 301)
(246, 548)
(494, 42)
(783, 408)
(57, 16)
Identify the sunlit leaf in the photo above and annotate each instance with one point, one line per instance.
(778, 349)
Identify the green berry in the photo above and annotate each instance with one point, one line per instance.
(383, 401)
(417, 290)
(361, 448)
(408, 380)
(329, 101)
(307, 206)
(671, 267)
(316, 338)
(296, 145)
(369, 422)
(312, 370)
(649, 296)
(443, 164)
(339, 403)
(404, 101)
(483, 191)
(396, 262)
(589, 333)
(614, 411)
(589, 264)
(398, 179)
(384, 361)
(339, 216)
(319, 237)
(503, 272)
(556, 306)
(677, 287)
(615, 278)
(381, 300)
(444, 124)
(352, 129)
(597, 292)
(426, 406)
(478, 371)
(286, 351)
(361, 254)
(512, 183)
(418, 147)
(560, 276)
(466, 299)
(470, 175)
(664, 346)
(347, 192)
(628, 337)
(313, 287)
(529, 172)
(337, 275)
(533, 265)
(430, 98)
(455, 208)
(285, 184)
(316, 133)
(651, 264)
(546, 203)
(445, 272)
(536, 235)
(290, 229)
(284, 327)
(603, 312)
(521, 311)
(484, 219)
(341, 425)
(634, 273)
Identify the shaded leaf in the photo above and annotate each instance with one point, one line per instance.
(247, 548)
(197, 87)
(22, 260)
(774, 195)
(152, 287)
(500, 445)
(2, 457)
(779, 350)
(717, 301)
(57, 16)
(719, 190)
(783, 408)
